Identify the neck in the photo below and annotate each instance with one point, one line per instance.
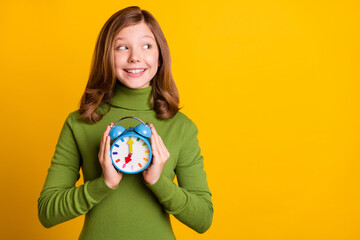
(129, 98)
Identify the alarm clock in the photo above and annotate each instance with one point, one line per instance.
(130, 151)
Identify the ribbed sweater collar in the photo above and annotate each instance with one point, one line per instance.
(135, 99)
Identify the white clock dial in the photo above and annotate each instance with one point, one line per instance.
(130, 154)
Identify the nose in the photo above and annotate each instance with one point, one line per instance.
(134, 56)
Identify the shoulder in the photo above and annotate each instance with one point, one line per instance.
(102, 110)
(181, 118)
(185, 122)
(73, 119)
(73, 116)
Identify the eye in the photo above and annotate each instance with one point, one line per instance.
(146, 46)
(122, 47)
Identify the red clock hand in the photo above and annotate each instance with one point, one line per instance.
(128, 158)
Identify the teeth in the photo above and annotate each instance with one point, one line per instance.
(135, 71)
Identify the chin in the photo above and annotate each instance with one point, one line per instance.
(135, 85)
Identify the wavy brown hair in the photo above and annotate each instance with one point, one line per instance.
(101, 84)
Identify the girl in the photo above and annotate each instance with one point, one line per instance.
(130, 76)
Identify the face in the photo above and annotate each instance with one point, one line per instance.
(136, 56)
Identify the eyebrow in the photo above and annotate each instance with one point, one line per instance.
(145, 36)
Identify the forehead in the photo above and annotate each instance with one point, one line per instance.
(135, 32)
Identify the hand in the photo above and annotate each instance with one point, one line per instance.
(160, 156)
(111, 176)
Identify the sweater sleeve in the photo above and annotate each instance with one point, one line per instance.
(59, 199)
(190, 202)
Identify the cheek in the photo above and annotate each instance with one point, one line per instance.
(154, 59)
(119, 60)
(116, 61)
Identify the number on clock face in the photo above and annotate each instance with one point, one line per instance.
(130, 154)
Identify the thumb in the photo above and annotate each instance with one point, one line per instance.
(144, 173)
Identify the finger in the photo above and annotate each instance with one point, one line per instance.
(103, 142)
(161, 146)
(154, 143)
(153, 130)
(107, 149)
(154, 146)
(107, 145)
(108, 128)
(101, 149)
(106, 132)
(161, 151)
(155, 138)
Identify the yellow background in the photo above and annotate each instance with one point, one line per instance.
(273, 87)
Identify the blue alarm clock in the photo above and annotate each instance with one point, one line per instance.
(131, 150)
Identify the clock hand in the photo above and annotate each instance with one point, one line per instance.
(128, 158)
(130, 143)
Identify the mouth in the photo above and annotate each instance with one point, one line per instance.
(134, 72)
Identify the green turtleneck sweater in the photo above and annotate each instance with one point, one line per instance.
(134, 209)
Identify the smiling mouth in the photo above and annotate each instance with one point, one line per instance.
(135, 70)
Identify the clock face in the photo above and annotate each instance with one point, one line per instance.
(130, 154)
